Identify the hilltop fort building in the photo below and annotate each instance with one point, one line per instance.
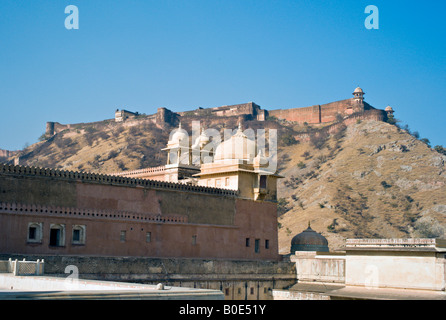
(355, 107)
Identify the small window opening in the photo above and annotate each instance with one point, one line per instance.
(263, 182)
(76, 235)
(55, 237)
(257, 246)
(32, 235)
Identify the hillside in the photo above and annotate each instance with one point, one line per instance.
(370, 179)
(109, 146)
(101, 147)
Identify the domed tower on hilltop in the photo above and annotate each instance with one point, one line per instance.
(358, 98)
(309, 240)
(389, 110)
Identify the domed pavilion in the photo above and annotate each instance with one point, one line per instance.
(309, 240)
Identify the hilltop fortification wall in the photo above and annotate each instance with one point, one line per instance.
(371, 114)
(317, 113)
(161, 118)
(7, 153)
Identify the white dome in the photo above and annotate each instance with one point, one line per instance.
(180, 137)
(236, 147)
(201, 141)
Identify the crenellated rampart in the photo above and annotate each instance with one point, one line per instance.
(129, 173)
(110, 179)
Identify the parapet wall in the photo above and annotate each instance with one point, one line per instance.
(319, 267)
(110, 179)
(237, 279)
(372, 114)
(308, 114)
(318, 113)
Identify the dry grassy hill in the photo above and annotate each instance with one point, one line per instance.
(101, 147)
(370, 179)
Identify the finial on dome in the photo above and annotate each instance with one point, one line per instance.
(240, 126)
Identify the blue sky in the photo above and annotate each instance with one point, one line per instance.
(145, 54)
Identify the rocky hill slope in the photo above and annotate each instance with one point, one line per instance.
(368, 179)
(371, 180)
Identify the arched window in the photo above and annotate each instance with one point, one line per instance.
(35, 232)
(78, 234)
(57, 235)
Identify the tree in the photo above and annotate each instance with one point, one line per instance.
(440, 149)
(426, 141)
(391, 119)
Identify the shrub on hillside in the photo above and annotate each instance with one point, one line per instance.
(440, 149)
(318, 139)
(288, 140)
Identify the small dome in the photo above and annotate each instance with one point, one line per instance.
(201, 140)
(180, 137)
(309, 240)
(389, 109)
(358, 90)
(239, 146)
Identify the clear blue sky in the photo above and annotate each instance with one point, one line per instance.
(185, 54)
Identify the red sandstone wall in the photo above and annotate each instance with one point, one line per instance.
(372, 114)
(173, 215)
(315, 114)
(308, 114)
(117, 198)
(330, 110)
(254, 221)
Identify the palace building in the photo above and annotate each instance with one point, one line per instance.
(222, 209)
